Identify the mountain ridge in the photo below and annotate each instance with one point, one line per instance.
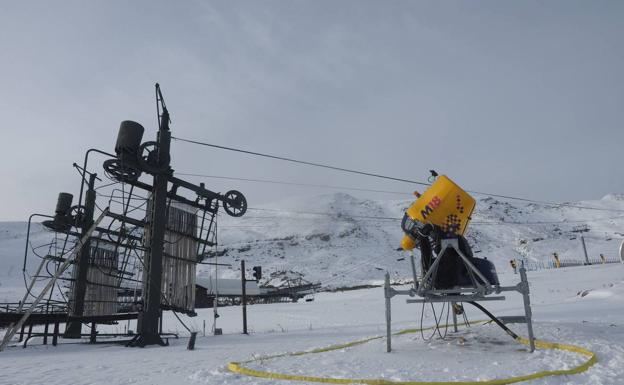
(340, 240)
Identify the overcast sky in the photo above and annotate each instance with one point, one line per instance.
(523, 98)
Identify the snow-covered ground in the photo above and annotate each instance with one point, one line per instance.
(578, 305)
(333, 239)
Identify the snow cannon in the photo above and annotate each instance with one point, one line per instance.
(444, 204)
(449, 273)
(442, 212)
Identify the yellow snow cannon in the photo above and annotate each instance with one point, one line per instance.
(444, 204)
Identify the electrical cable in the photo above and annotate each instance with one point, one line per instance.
(448, 313)
(466, 321)
(375, 175)
(178, 317)
(107, 185)
(479, 223)
(493, 318)
(268, 181)
(350, 270)
(299, 161)
(546, 222)
(337, 214)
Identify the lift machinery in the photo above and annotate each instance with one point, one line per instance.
(153, 245)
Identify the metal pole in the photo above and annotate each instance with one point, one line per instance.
(31, 285)
(244, 297)
(453, 305)
(160, 322)
(28, 237)
(45, 334)
(527, 306)
(585, 250)
(74, 328)
(388, 295)
(55, 334)
(215, 302)
(414, 270)
(148, 319)
(93, 334)
(30, 327)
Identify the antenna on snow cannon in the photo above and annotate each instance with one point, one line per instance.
(435, 223)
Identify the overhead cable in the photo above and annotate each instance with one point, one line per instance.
(315, 164)
(295, 183)
(301, 161)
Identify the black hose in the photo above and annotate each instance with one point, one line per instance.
(496, 320)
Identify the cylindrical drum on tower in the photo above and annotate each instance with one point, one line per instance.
(129, 137)
(63, 203)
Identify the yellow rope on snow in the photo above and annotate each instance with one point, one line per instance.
(237, 367)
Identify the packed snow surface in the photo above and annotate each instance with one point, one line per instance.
(577, 305)
(342, 241)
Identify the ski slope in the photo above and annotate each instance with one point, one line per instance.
(578, 305)
(333, 239)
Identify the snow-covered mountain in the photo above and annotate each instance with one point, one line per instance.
(343, 241)
(340, 240)
(12, 244)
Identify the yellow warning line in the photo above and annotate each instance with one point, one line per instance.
(237, 367)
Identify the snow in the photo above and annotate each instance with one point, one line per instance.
(12, 243)
(561, 313)
(340, 240)
(613, 197)
(577, 305)
(227, 286)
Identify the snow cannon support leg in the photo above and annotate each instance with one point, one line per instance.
(388, 295)
(389, 292)
(524, 289)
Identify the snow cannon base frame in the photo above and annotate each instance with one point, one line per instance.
(481, 290)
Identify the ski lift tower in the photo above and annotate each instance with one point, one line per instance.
(153, 157)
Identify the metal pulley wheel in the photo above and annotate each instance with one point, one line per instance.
(148, 158)
(118, 171)
(77, 214)
(234, 203)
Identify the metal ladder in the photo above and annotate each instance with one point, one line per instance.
(61, 269)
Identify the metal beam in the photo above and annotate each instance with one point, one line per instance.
(148, 319)
(74, 329)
